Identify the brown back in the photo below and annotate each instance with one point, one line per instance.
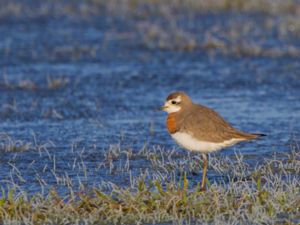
(205, 124)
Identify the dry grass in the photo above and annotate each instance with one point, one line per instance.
(144, 7)
(52, 83)
(268, 6)
(175, 25)
(9, 144)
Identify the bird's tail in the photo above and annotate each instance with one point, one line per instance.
(260, 135)
(248, 136)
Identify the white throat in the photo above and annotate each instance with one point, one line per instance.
(171, 108)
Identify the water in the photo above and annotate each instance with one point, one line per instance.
(112, 85)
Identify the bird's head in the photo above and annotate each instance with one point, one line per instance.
(175, 102)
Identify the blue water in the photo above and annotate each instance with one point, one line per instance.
(114, 83)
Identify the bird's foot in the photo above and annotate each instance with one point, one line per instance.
(202, 189)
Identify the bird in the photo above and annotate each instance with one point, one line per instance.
(198, 128)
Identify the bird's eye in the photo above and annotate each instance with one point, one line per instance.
(174, 102)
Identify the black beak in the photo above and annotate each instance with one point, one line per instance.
(160, 109)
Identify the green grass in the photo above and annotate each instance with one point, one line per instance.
(268, 193)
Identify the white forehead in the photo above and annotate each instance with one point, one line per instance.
(177, 99)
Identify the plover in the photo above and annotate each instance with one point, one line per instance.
(200, 129)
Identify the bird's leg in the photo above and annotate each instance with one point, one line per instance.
(205, 163)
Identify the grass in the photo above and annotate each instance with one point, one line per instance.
(92, 7)
(52, 83)
(177, 25)
(166, 192)
(8, 144)
(151, 203)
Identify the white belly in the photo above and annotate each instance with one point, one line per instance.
(188, 142)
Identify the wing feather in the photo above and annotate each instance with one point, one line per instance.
(207, 125)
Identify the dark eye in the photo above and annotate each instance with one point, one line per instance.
(174, 102)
